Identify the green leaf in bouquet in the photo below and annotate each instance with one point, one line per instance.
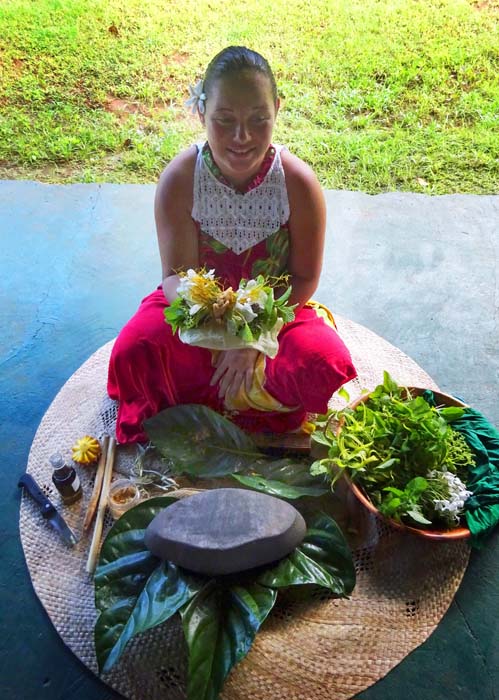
(246, 334)
(284, 296)
(220, 624)
(323, 559)
(287, 313)
(134, 590)
(175, 314)
(270, 319)
(269, 303)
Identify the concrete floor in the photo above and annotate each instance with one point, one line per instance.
(76, 260)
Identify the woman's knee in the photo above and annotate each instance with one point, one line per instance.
(310, 367)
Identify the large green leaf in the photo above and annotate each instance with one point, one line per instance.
(200, 442)
(291, 471)
(285, 478)
(323, 558)
(124, 560)
(220, 623)
(278, 488)
(159, 597)
(134, 590)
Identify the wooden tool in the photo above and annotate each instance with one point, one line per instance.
(99, 521)
(92, 506)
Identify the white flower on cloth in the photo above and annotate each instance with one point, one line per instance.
(197, 98)
(458, 494)
(252, 294)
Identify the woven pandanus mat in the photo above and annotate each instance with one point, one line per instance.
(320, 648)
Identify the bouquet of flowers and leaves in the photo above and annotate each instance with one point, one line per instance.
(207, 315)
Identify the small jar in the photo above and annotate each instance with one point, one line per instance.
(66, 480)
(123, 495)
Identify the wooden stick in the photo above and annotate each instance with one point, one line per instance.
(99, 521)
(92, 506)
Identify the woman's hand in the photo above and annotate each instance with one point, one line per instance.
(233, 368)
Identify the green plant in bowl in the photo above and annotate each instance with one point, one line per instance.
(401, 457)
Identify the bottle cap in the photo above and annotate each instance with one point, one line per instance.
(56, 461)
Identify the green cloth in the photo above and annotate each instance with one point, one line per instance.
(481, 510)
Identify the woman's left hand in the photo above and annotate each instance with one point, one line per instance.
(233, 368)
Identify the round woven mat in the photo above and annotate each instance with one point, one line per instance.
(320, 648)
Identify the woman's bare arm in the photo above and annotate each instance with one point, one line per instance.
(307, 227)
(177, 233)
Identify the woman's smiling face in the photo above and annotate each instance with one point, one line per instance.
(239, 120)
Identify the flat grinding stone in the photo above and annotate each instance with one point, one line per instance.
(223, 531)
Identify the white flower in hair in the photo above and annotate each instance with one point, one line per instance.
(197, 98)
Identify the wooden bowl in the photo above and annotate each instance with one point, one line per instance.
(458, 533)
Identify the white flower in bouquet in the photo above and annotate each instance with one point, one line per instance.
(194, 287)
(250, 296)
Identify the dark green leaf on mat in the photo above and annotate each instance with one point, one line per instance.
(201, 443)
(323, 559)
(220, 624)
(134, 590)
(159, 597)
(278, 488)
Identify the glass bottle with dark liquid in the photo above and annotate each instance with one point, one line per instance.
(66, 480)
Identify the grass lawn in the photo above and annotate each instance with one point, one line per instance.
(377, 94)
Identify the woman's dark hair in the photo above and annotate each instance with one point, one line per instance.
(234, 59)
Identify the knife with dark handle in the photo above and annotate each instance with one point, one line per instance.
(48, 509)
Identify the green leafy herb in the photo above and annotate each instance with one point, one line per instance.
(389, 444)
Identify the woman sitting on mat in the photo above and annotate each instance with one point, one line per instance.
(242, 206)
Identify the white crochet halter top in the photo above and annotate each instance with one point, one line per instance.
(240, 220)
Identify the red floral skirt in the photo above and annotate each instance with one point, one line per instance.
(151, 369)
